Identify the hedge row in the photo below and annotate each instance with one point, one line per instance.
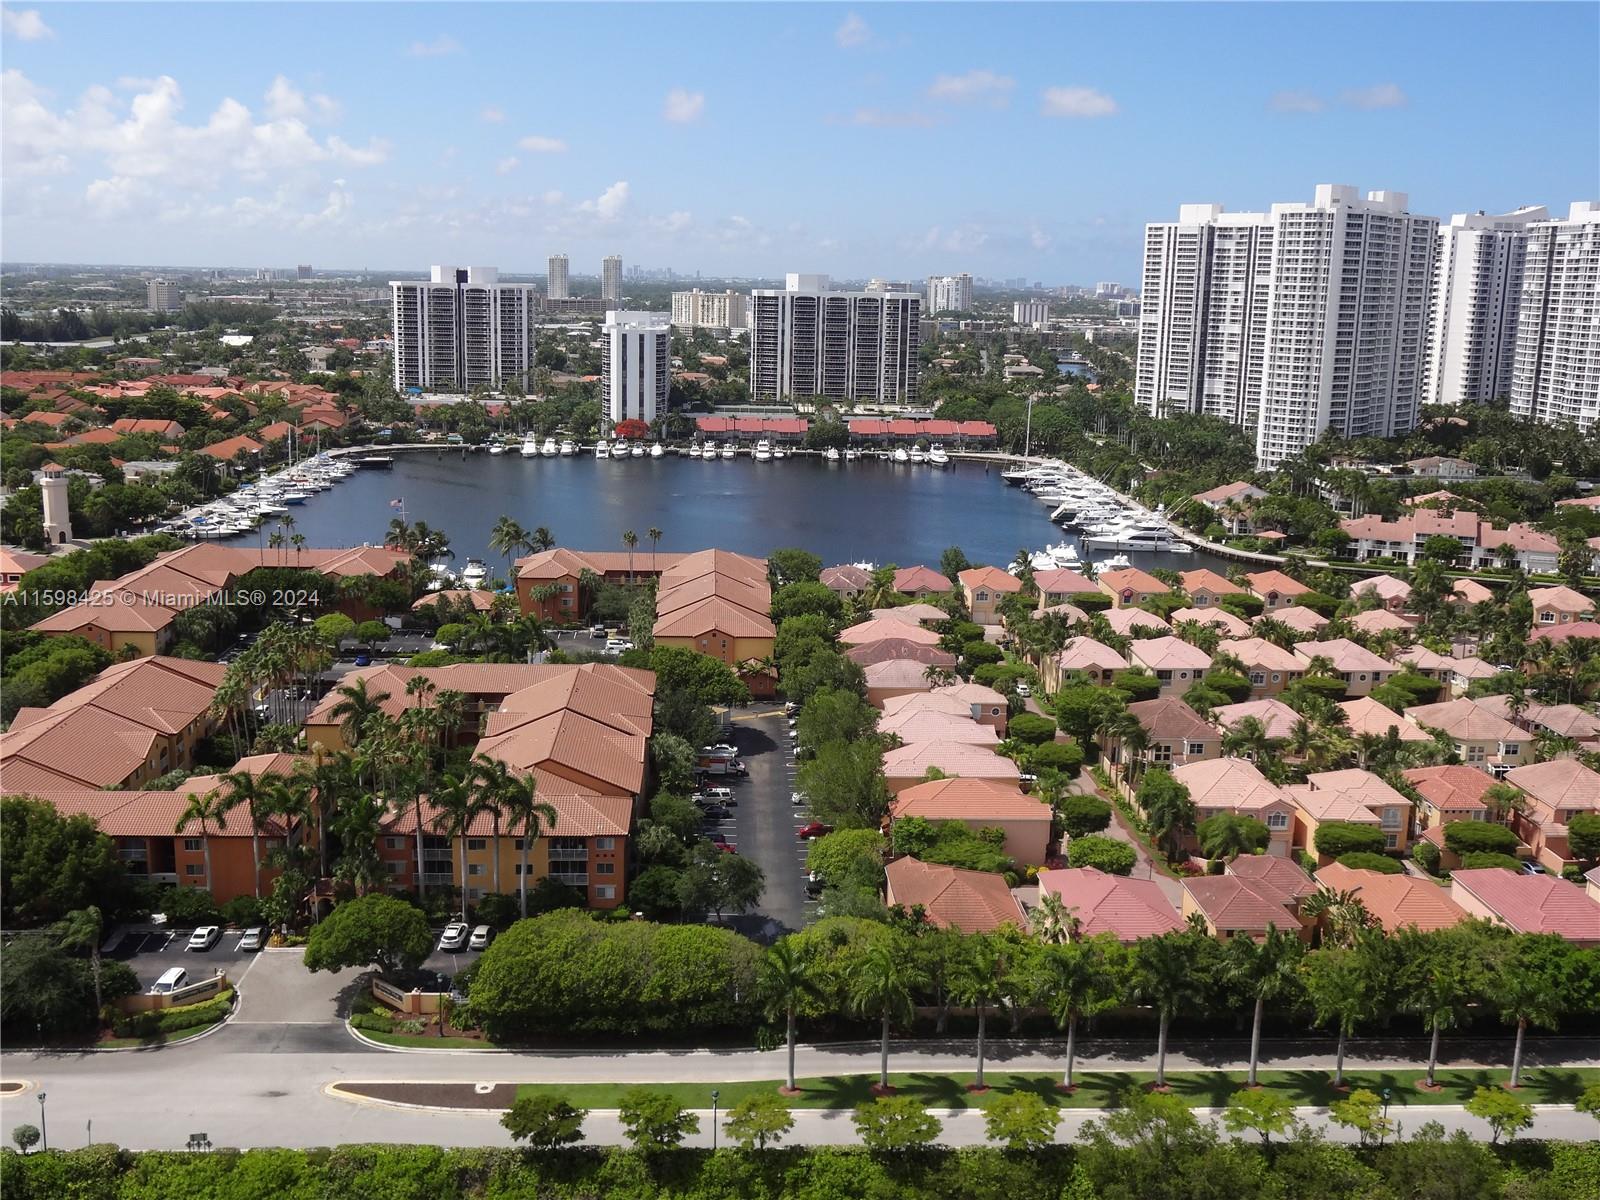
(172, 1020)
(1191, 1167)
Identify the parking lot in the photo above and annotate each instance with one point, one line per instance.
(152, 954)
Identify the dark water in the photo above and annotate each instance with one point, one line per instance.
(843, 512)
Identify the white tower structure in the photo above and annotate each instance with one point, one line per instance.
(57, 517)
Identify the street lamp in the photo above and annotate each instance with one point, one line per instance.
(44, 1130)
(1383, 1130)
(714, 1095)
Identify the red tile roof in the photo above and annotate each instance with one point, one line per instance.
(1128, 909)
(952, 898)
(912, 579)
(1533, 903)
(1396, 901)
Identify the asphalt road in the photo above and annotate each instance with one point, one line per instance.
(763, 822)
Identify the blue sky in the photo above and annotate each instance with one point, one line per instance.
(894, 140)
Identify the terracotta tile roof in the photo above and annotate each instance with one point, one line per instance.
(1062, 582)
(142, 814)
(1125, 620)
(972, 693)
(713, 616)
(1169, 718)
(1560, 783)
(561, 563)
(845, 577)
(1230, 625)
(1329, 805)
(614, 700)
(1473, 667)
(896, 673)
(1086, 654)
(225, 450)
(484, 681)
(891, 648)
(19, 562)
(568, 741)
(165, 429)
(1228, 491)
(992, 578)
(953, 758)
(480, 598)
(1466, 719)
(1381, 620)
(1533, 903)
(755, 598)
(968, 800)
(1275, 876)
(1560, 599)
(914, 579)
(580, 812)
(1386, 587)
(1366, 715)
(1277, 716)
(1258, 652)
(1302, 620)
(1232, 904)
(715, 562)
(1424, 659)
(1568, 720)
(926, 702)
(952, 898)
(1231, 784)
(1347, 656)
(1128, 909)
(1567, 632)
(1470, 591)
(882, 627)
(1451, 789)
(1069, 611)
(1264, 582)
(1131, 579)
(1210, 581)
(109, 611)
(930, 726)
(915, 614)
(1396, 901)
(1168, 654)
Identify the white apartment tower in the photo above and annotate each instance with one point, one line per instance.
(556, 287)
(162, 295)
(1472, 317)
(1556, 374)
(710, 310)
(949, 293)
(611, 279)
(635, 365)
(808, 341)
(1030, 312)
(460, 329)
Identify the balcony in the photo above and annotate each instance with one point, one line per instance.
(580, 879)
(558, 854)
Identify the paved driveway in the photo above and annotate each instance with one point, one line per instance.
(280, 991)
(763, 823)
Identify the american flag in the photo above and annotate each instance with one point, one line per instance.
(397, 504)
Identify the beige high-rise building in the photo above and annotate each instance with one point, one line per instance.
(809, 341)
(461, 328)
(162, 295)
(556, 287)
(710, 310)
(611, 279)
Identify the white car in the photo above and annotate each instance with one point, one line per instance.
(205, 937)
(455, 936)
(618, 645)
(798, 799)
(254, 938)
(481, 936)
(1023, 689)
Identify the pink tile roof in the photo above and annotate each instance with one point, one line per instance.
(1396, 901)
(1302, 620)
(1062, 582)
(916, 614)
(1454, 788)
(1533, 903)
(976, 800)
(1386, 587)
(1346, 656)
(1366, 715)
(1466, 719)
(1560, 599)
(916, 726)
(1131, 579)
(713, 616)
(1264, 582)
(1128, 909)
(1227, 622)
(953, 758)
(881, 628)
(1560, 783)
(1277, 716)
(1424, 659)
(1228, 491)
(1126, 620)
(1381, 620)
(971, 693)
(844, 577)
(1233, 784)
(1086, 654)
(952, 898)
(897, 673)
(1567, 632)
(897, 647)
(914, 579)
(1168, 654)
(1210, 581)
(1276, 876)
(1232, 904)
(1168, 718)
(1259, 653)
(1470, 591)
(992, 578)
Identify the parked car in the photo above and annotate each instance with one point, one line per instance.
(481, 937)
(798, 799)
(455, 936)
(720, 750)
(618, 645)
(721, 842)
(254, 938)
(363, 660)
(597, 631)
(720, 795)
(1023, 689)
(737, 767)
(790, 708)
(815, 829)
(205, 937)
(716, 812)
(1532, 868)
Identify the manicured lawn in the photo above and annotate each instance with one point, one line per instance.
(430, 1041)
(1203, 1089)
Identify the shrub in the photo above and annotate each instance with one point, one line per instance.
(1583, 836)
(1479, 859)
(1362, 860)
(188, 906)
(1066, 757)
(544, 1122)
(1338, 838)
(1467, 837)
(1426, 855)
(242, 911)
(1231, 684)
(377, 1020)
(173, 1020)
(894, 1123)
(499, 909)
(1083, 815)
(1139, 685)
(1107, 854)
(1032, 729)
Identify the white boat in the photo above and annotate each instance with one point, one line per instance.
(708, 451)
(440, 576)
(727, 450)
(778, 452)
(568, 447)
(474, 573)
(636, 451)
(763, 452)
(549, 449)
(530, 447)
(296, 497)
(1117, 562)
(937, 455)
(918, 455)
(852, 454)
(832, 454)
(602, 449)
(657, 450)
(496, 448)
(900, 455)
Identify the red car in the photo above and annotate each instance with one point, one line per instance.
(814, 830)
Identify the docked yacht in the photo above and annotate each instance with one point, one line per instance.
(496, 448)
(900, 455)
(852, 454)
(763, 452)
(918, 455)
(727, 450)
(1137, 533)
(474, 574)
(602, 449)
(937, 455)
(658, 450)
(1117, 562)
(296, 496)
(530, 446)
(831, 454)
(568, 447)
(549, 449)
(636, 451)
(1062, 556)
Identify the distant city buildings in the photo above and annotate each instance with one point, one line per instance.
(162, 295)
(303, 271)
(807, 341)
(949, 293)
(556, 278)
(710, 310)
(635, 365)
(611, 279)
(1556, 373)
(460, 329)
(1030, 312)
(1472, 318)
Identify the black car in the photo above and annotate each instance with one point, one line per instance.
(716, 812)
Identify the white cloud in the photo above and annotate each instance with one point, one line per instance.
(553, 197)
(683, 106)
(287, 102)
(608, 206)
(507, 165)
(975, 86)
(493, 114)
(1039, 239)
(852, 32)
(536, 143)
(1379, 95)
(1076, 102)
(1296, 102)
(879, 118)
(440, 46)
(25, 24)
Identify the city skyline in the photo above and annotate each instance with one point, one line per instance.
(127, 142)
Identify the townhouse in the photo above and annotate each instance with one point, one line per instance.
(1176, 664)
(1448, 793)
(845, 581)
(1353, 796)
(1225, 622)
(1365, 717)
(1302, 621)
(1269, 667)
(914, 725)
(1061, 586)
(1249, 900)
(1559, 606)
(906, 766)
(921, 582)
(1275, 590)
(1095, 660)
(896, 678)
(1569, 721)
(1135, 623)
(1528, 903)
(1395, 902)
(1206, 589)
(983, 588)
(551, 584)
(1276, 717)
(1127, 909)
(880, 629)
(1360, 669)
(1553, 793)
(1392, 594)
(720, 604)
(981, 804)
(1235, 785)
(1130, 587)
(953, 898)
(1482, 739)
(1405, 537)
(1175, 734)
(971, 701)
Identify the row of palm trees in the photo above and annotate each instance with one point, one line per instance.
(281, 656)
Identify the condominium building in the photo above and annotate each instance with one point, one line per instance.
(611, 279)
(460, 329)
(1556, 373)
(710, 310)
(1030, 312)
(809, 341)
(555, 286)
(1472, 316)
(161, 295)
(635, 365)
(949, 293)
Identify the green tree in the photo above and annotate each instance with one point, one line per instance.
(1361, 1111)
(882, 984)
(798, 599)
(786, 982)
(1583, 836)
(844, 781)
(1343, 993)
(51, 864)
(85, 929)
(1260, 1111)
(980, 981)
(1080, 816)
(1167, 808)
(718, 882)
(1024, 1122)
(1167, 976)
(1104, 853)
(1443, 979)
(207, 809)
(544, 1121)
(758, 1121)
(25, 1136)
(1335, 839)
(655, 1121)
(374, 930)
(1507, 1116)
(1264, 971)
(1589, 1101)
(1529, 983)
(792, 565)
(1074, 981)
(896, 1124)
(1228, 835)
(850, 858)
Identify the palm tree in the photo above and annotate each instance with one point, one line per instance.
(276, 540)
(654, 535)
(981, 981)
(630, 539)
(541, 539)
(356, 710)
(1273, 630)
(298, 540)
(1053, 922)
(1166, 976)
(1247, 738)
(786, 980)
(456, 805)
(1340, 987)
(1345, 913)
(242, 788)
(1074, 981)
(517, 797)
(1442, 986)
(85, 927)
(204, 807)
(507, 537)
(1264, 971)
(1524, 990)
(883, 985)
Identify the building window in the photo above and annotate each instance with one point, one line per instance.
(1391, 818)
(1511, 749)
(1277, 820)
(605, 892)
(393, 867)
(392, 843)
(605, 868)
(194, 869)
(1391, 840)
(1161, 752)
(474, 868)
(605, 843)
(194, 845)
(1258, 678)
(981, 596)
(1196, 748)
(477, 843)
